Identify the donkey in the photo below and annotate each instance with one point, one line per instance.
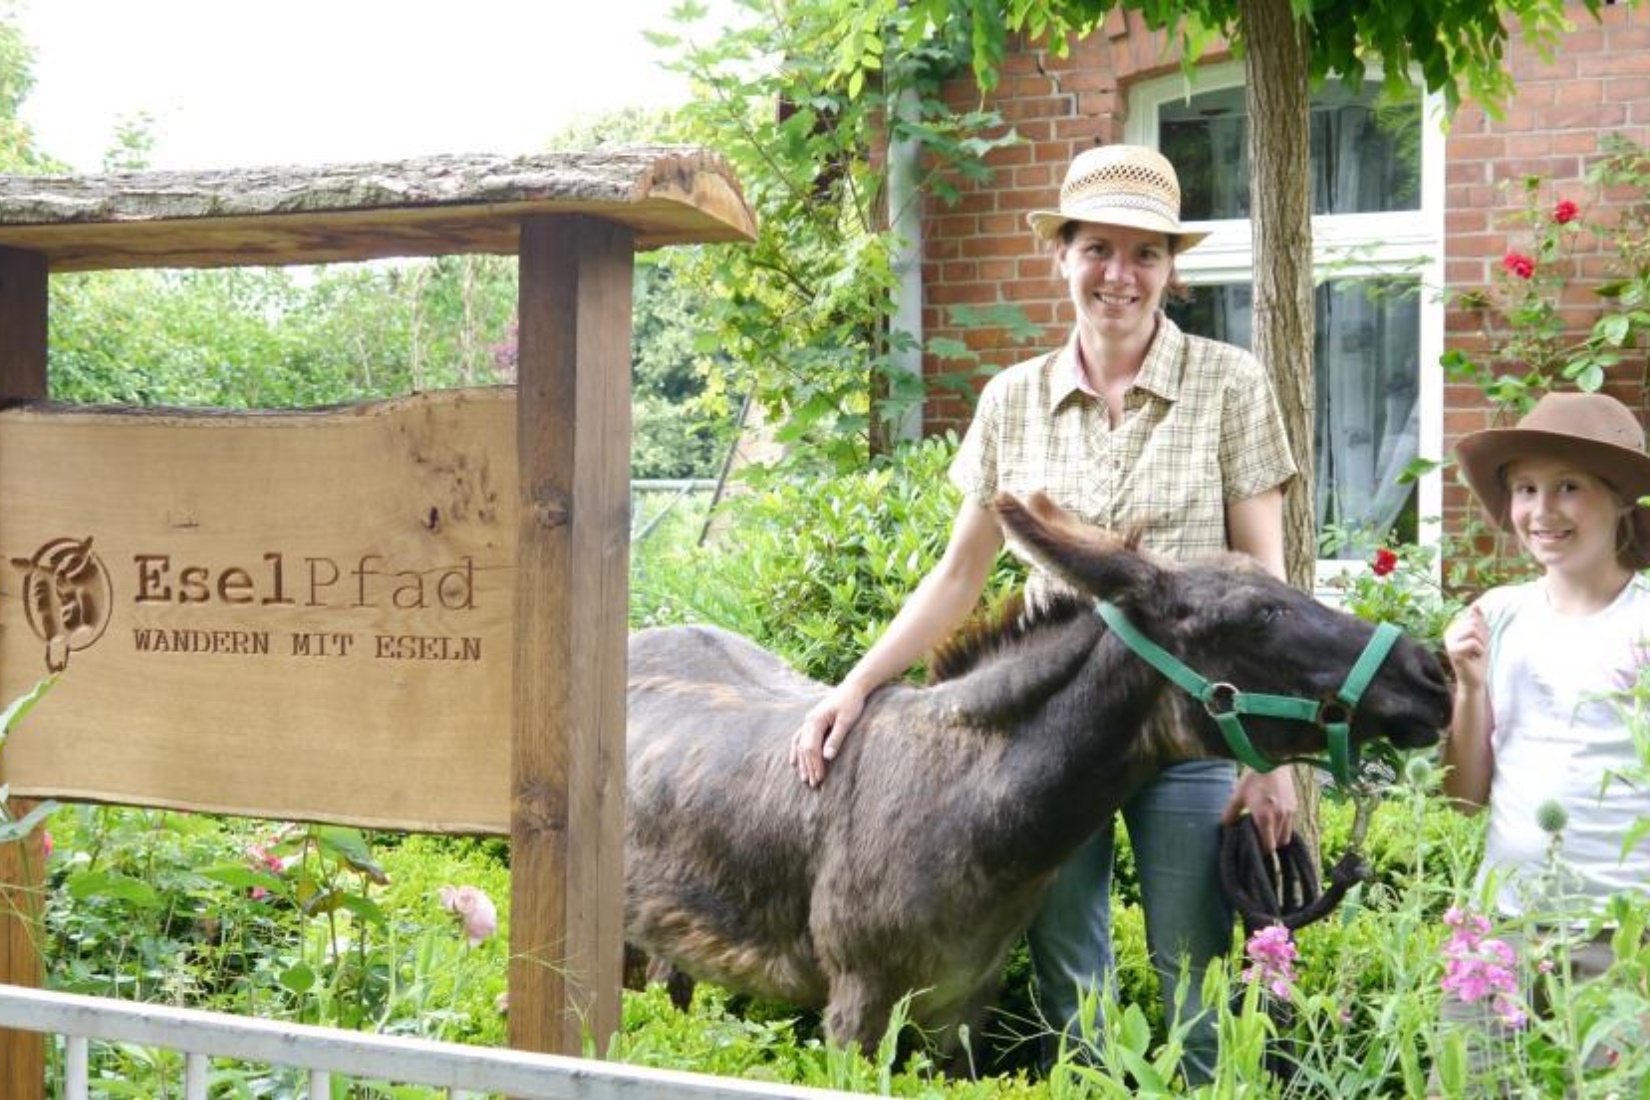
(924, 854)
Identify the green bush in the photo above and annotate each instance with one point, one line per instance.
(814, 568)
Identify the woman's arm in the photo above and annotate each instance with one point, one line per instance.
(1254, 526)
(943, 599)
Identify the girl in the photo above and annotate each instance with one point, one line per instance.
(1536, 665)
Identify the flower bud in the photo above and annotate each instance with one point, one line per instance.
(1552, 817)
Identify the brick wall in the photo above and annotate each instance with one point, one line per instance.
(980, 252)
(1597, 83)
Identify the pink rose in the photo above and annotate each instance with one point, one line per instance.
(1565, 212)
(474, 909)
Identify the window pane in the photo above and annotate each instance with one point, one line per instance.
(1365, 154)
(1367, 366)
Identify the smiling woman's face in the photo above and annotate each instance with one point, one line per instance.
(1116, 276)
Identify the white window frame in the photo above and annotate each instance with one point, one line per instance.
(1409, 243)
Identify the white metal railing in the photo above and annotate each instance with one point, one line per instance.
(681, 488)
(463, 1071)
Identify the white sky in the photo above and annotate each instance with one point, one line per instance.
(239, 82)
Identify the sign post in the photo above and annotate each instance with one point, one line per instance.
(406, 614)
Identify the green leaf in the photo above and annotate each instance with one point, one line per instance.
(1418, 468)
(241, 877)
(314, 903)
(365, 908)
(299, 979)
(351, 846)
(1613, 329)
(114, 885)
(17, 829)
(1590, 378)
(1634, 834)
(20, 707)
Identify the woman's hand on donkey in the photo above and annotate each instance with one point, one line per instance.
(817, 740)
(1269, 798)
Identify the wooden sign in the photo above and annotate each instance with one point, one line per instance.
(302, 615)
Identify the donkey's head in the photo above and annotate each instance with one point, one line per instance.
(1229, 623)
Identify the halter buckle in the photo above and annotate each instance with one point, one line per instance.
(1333, 711)
(1220, 699)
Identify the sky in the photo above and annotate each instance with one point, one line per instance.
(264, 82)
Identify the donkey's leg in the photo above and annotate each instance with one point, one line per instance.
(858, 1011)
(678, 984)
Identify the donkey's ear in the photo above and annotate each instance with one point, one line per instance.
(1091, 559)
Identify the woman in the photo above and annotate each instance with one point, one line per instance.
(1132, 425)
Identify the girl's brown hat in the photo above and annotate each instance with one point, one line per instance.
(1593, 430)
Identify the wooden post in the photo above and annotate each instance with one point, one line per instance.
(568, 755)
(22, 865)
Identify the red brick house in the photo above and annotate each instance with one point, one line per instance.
(1406, 207)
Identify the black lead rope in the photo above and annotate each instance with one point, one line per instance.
(1268, 888)
(1281, 887)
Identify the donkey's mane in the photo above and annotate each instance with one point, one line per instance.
(988, 634)
(991, 633)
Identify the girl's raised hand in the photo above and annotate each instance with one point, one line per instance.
(1467, 643)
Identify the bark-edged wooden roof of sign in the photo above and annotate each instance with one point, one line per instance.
(341, 212)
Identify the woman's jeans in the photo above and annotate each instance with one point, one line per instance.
(1174, 828)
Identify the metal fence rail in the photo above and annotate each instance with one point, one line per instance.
(463, 1071)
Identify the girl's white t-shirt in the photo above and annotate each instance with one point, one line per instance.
(1557, 693)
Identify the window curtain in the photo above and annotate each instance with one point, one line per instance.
(1368, 421)
(1364, 158)
(1363, 155)
(1366, 369)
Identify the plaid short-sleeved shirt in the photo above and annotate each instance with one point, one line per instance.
(1201, 428)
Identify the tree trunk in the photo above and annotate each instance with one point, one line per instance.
(1278, 98)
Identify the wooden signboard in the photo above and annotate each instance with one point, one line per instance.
(407, 614)
(293, 615)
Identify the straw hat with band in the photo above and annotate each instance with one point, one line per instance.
(1128, 185)
(1594, 431)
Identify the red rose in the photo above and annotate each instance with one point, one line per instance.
(1519, 264)
(1565, 212)
(1385, 562)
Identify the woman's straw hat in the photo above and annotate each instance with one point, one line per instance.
(1594, 431)
(1128, 185)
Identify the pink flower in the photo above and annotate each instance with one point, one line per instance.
(1468, 926)
(1274, 953)
(1518, 264)
(264, 859)
(46, 842)
(1565, 212)
(474, 909)
(1385, 562)
(1477, 968)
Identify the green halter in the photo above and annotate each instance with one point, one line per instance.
(1226, 704)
